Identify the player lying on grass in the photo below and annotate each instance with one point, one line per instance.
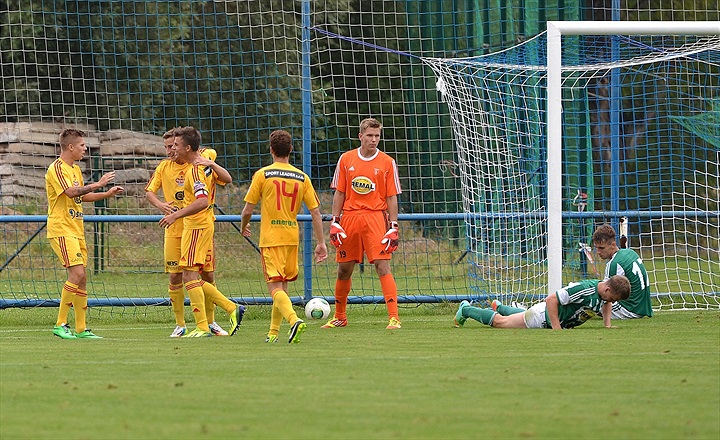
(568, 307)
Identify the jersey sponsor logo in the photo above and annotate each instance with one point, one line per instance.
(292, 223)
(362, 185)
(284, 174)
(180, 196)
(171, 263)
(75, 214)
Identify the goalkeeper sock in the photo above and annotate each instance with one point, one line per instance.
(80, 305)
(282, 302)
(177, 301)
(508, 310)
(197, 303)
(215, 296)
(342, 290)
(66, 301)
(485, 316)
(389, 290)
(275, 321)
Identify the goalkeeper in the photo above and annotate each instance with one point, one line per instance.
(365, 215)
(568, 307)
(628, 263)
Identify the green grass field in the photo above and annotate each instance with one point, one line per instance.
(656, 378)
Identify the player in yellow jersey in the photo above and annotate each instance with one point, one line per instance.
(281, 189)
(198, 230)
(65, 193)
(170, 177)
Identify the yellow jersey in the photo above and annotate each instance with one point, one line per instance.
(281, 189)
(65, 214)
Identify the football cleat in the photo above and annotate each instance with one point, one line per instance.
(394, 324)
(63, 332)
(296, 331)
(335, 323)
(236, 318)
(217, 330)
(271, 338)
(198, 333)
(87, 334)
(459, 318)
(179, 332)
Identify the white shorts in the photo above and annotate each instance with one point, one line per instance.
(535, 316)
(620, 312)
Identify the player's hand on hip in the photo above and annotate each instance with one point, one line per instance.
(337, 233)
(391, 238)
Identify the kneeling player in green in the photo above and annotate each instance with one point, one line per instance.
(568, 307)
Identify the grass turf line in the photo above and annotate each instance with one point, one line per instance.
(654, 378)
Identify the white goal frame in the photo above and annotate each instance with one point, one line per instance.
(555, 31)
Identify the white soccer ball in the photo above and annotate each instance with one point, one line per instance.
(317, 308)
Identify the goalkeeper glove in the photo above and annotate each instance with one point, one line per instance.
(337, 233)
(391, 238)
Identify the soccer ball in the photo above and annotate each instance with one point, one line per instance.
(317, 308)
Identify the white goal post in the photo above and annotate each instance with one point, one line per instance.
(555, 31)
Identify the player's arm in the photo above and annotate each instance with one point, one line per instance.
(222, 174)
(245, 216)
(199, 204)
(337, 233)
(321, 252)
(94, 197)
(607, 314)
(82, 191)
(553, 305)
(164, 207)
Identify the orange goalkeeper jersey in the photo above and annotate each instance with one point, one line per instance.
(65, 214)
(366, 182)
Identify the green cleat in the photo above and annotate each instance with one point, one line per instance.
(198, 333)
(63, 332)
(87, 334)
(459, 318)
(236, 318)
(296, 331)
(271, 338)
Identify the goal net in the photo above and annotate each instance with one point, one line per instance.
(639, 139)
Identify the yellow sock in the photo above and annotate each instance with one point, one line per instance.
(210, 306)
(281, 300)
(66, 297)
(197, 303)
(275, 320)
(214, 295)
(177, 301)
(80, 305)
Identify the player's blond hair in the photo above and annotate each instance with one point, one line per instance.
(70, 136)
(369, 123)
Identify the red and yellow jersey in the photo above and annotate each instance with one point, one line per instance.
(281, 188)
(65, 215)
(170, 177)
(200, 182)
(366, 182)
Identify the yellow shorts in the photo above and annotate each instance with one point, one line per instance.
(196, 249)
(70, 250)
(365, 231)
(280, 263)
(172, 252)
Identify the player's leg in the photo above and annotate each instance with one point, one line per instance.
(176, 293)
(372, 235)
(349, 253)
(504, 309)
(207, 273)
(343, 284)
(191, 259)
(61, 329)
